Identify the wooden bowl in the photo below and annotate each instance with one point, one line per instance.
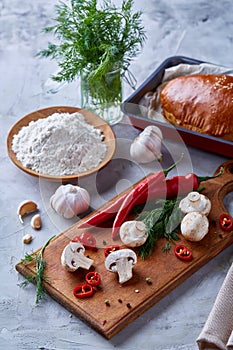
(90, 117)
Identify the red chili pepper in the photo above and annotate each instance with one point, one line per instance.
(174, 186)
(226, 222)
(83, 290)
(93, 278)
(88, 241)
(112, 209)
(104, 215)
(110, 249)
(132, 199)
(182, 252)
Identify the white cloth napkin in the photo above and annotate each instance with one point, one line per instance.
(217, 332)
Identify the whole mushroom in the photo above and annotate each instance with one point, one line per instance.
(73, 257)
(121, 261)
(133, 233)
(194, 226)
(195, 201)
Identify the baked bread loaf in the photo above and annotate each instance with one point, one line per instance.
(200, 102)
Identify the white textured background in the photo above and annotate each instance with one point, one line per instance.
(198, 29)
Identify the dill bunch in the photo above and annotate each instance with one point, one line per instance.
(39, 276)
(94, 38)
(162, 221)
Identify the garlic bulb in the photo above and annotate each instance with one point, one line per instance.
(70, 200)
(147, 146)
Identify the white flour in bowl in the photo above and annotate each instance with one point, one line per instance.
(61, 144)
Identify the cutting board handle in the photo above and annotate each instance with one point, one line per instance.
(221, 186)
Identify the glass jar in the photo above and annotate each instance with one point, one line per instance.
(103, 96)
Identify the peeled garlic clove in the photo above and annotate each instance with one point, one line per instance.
(26, 207)
(36, 222)
(147, 146)
(70, 200)
(27, 239)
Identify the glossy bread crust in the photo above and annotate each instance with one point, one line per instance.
(200, 102)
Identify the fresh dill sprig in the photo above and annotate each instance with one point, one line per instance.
(161, 222)
(39, 276)
(94, 38)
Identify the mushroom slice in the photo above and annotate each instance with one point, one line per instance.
(195, 201)
(133, 233)
(194, 226)
(73, 257)
(121, 261)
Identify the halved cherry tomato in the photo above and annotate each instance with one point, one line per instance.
(83, 290)
(226, 222)
(110, 249)
(93, 278)
(88, 241)
(182, 252)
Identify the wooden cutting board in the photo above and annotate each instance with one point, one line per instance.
(129, 301)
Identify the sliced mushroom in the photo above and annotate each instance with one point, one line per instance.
(73, 257)
(133, 233)
(121, 261)
(195, 201)
(194, 226)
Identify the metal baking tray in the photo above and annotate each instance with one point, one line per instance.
(131, 108)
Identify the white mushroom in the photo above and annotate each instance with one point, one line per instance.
(195, 201)
(121, 261)
(133, 233)
(73, 257)
(194, 226)
(147, 146)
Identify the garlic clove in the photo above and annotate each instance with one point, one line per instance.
(25, 208)
(27, 239)
(36, 222)
(147, 146)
